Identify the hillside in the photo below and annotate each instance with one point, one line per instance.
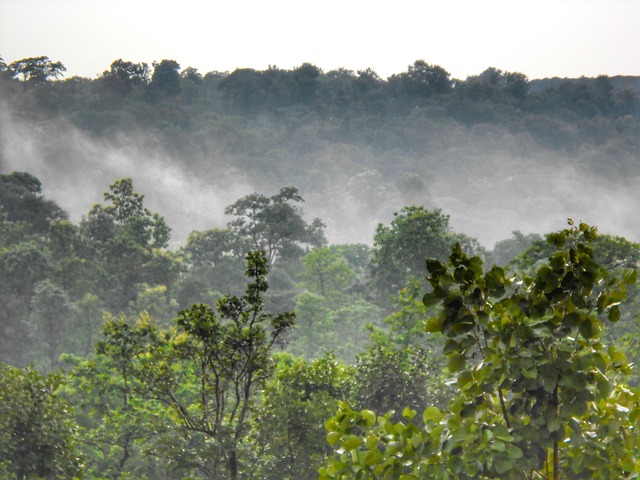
(496, 151)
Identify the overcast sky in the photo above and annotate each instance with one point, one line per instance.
(565, 38)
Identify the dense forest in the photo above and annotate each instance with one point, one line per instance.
(318, 313)
(358, 147)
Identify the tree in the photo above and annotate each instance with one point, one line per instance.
(507, 250)
(423, 79)
(289, 422)
(123, 76)
(36, 70)
(37, 433)
(274, 224)
(116, 421)
(127, 240)
(208, 371)
(306, 82)
(540, 395)
(51, 313)
(399, 250)
(165, 81)
(214, 261)
(326, 273)
(21, 201)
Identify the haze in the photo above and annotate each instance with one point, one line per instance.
(565, 38)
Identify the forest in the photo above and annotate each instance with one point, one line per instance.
(334, 317)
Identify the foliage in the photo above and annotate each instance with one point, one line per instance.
(21, 201)
(117, 422)
(208, 370)
(325, 273)
(127, 241)
(36, 70)
(540, 394)
(288, 431)
(37, 434)
(399, 250)
(51, 312)
(274, 223)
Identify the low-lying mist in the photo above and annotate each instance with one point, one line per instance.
(487, 193)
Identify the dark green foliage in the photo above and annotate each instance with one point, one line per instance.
(289, 429)
(37, 432)
(539, 393)
(36, 70)
(210, 368)
(165, 81)
(399, 250)
(274, 224)
(126, 240)
(21, 202)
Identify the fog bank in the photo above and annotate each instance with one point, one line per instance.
(487, 194)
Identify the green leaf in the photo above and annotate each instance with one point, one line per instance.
(465, 380)
(369, 417)
(514, 452)
(498, 446)
(333, 437)
(408, 413)
(351, 442)
(372, 457)
(433, 325)
(531, 373)
(590, 328)
(455, 361)
(630, 276)
(503, 465)
(435, 267)
(432, 414)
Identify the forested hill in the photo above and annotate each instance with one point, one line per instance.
(496, 151)
(619, 83)
(355, 349)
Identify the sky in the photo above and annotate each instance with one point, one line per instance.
(545, 38)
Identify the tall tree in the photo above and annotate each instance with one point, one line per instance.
(540, 394)
(399, 249)
(275, 223)
(165, 81)
(127, 240)
(209, 371)
(36, 70)
(37, 437)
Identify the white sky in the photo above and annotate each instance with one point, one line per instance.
(565, 38)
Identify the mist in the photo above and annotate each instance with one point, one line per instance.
(465, 173)
(75, 170)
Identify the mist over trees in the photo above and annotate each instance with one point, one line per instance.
(329, 306)
(358, 147)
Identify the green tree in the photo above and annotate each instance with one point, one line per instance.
(123, 76)
(21, 201)
(117, 420)
(49, 321)
(36, 70)
(306, 78)
(507, 250)
(325, 273)
(540, 395)
(424, 80)
(165, 81)
(127, 241)
(37, 433)
(289, 422)
(210, 368)
(214, 262)
(399, 250)
(274, 224)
